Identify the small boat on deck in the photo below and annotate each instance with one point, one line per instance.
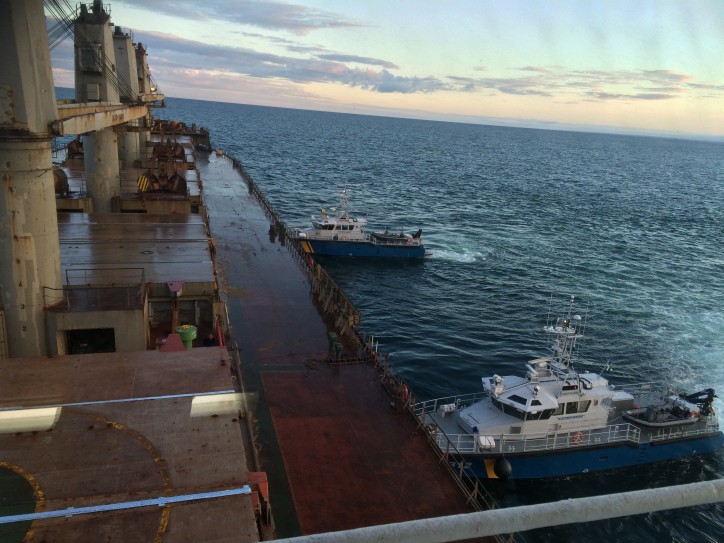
(672, 410)
(342, 234)
(554, 421)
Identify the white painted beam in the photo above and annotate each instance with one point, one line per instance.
(529, 517)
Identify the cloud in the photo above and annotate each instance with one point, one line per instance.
(603, 96)
(538, 69)
(387, 82)
(171, 55)
(326, 67)
(597, 85)
(297, 19)
(316, 64)
(359, 60)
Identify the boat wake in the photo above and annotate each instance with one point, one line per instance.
(456, 255)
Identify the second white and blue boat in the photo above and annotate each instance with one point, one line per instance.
(554, 421)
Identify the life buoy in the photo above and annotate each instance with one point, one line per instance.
(344, 238)
(577, 438)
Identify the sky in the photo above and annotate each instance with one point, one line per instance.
(627, 66)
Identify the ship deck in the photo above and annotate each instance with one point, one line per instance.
(94, 432)
(165, 247)
(127, 429)
(338, 454)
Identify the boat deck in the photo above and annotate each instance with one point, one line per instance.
(338, 455)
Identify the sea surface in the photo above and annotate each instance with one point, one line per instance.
(517, 220)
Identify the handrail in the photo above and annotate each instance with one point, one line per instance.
(83, 285)
(104, 277)
(329, 294)
(528, 517)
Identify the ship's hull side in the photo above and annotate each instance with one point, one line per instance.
(361, 249)
(588, 459)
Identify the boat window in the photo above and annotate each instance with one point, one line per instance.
(535, 402)
(339, 227)
(509, 409)
(517, 413)
(577, 407)
(546, 414)
(518, 399)
(559, 409)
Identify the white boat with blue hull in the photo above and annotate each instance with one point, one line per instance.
(554, 421)
(344, 235)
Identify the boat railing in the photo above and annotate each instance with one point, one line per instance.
(649, 392)
(465, 443)
(432, 406)
(401, 242)
(682, 432)
(511, 443)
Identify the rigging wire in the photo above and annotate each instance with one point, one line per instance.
(65, 15)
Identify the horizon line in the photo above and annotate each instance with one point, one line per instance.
(486, 121)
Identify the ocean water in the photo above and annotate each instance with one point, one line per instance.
(632, 226)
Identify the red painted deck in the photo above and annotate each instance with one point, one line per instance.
(338, 456)
(352, 460)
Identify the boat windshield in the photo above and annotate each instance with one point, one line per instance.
(521, 414)
(572, 407)
(323, 226)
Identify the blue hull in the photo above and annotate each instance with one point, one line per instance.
(361, 249)
(569, 462)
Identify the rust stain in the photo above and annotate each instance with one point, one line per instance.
(7, 107)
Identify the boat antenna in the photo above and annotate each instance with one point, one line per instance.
(550, 306)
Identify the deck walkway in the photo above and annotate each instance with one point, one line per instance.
(337, 454)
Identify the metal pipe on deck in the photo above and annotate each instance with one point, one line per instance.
(518, 519)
